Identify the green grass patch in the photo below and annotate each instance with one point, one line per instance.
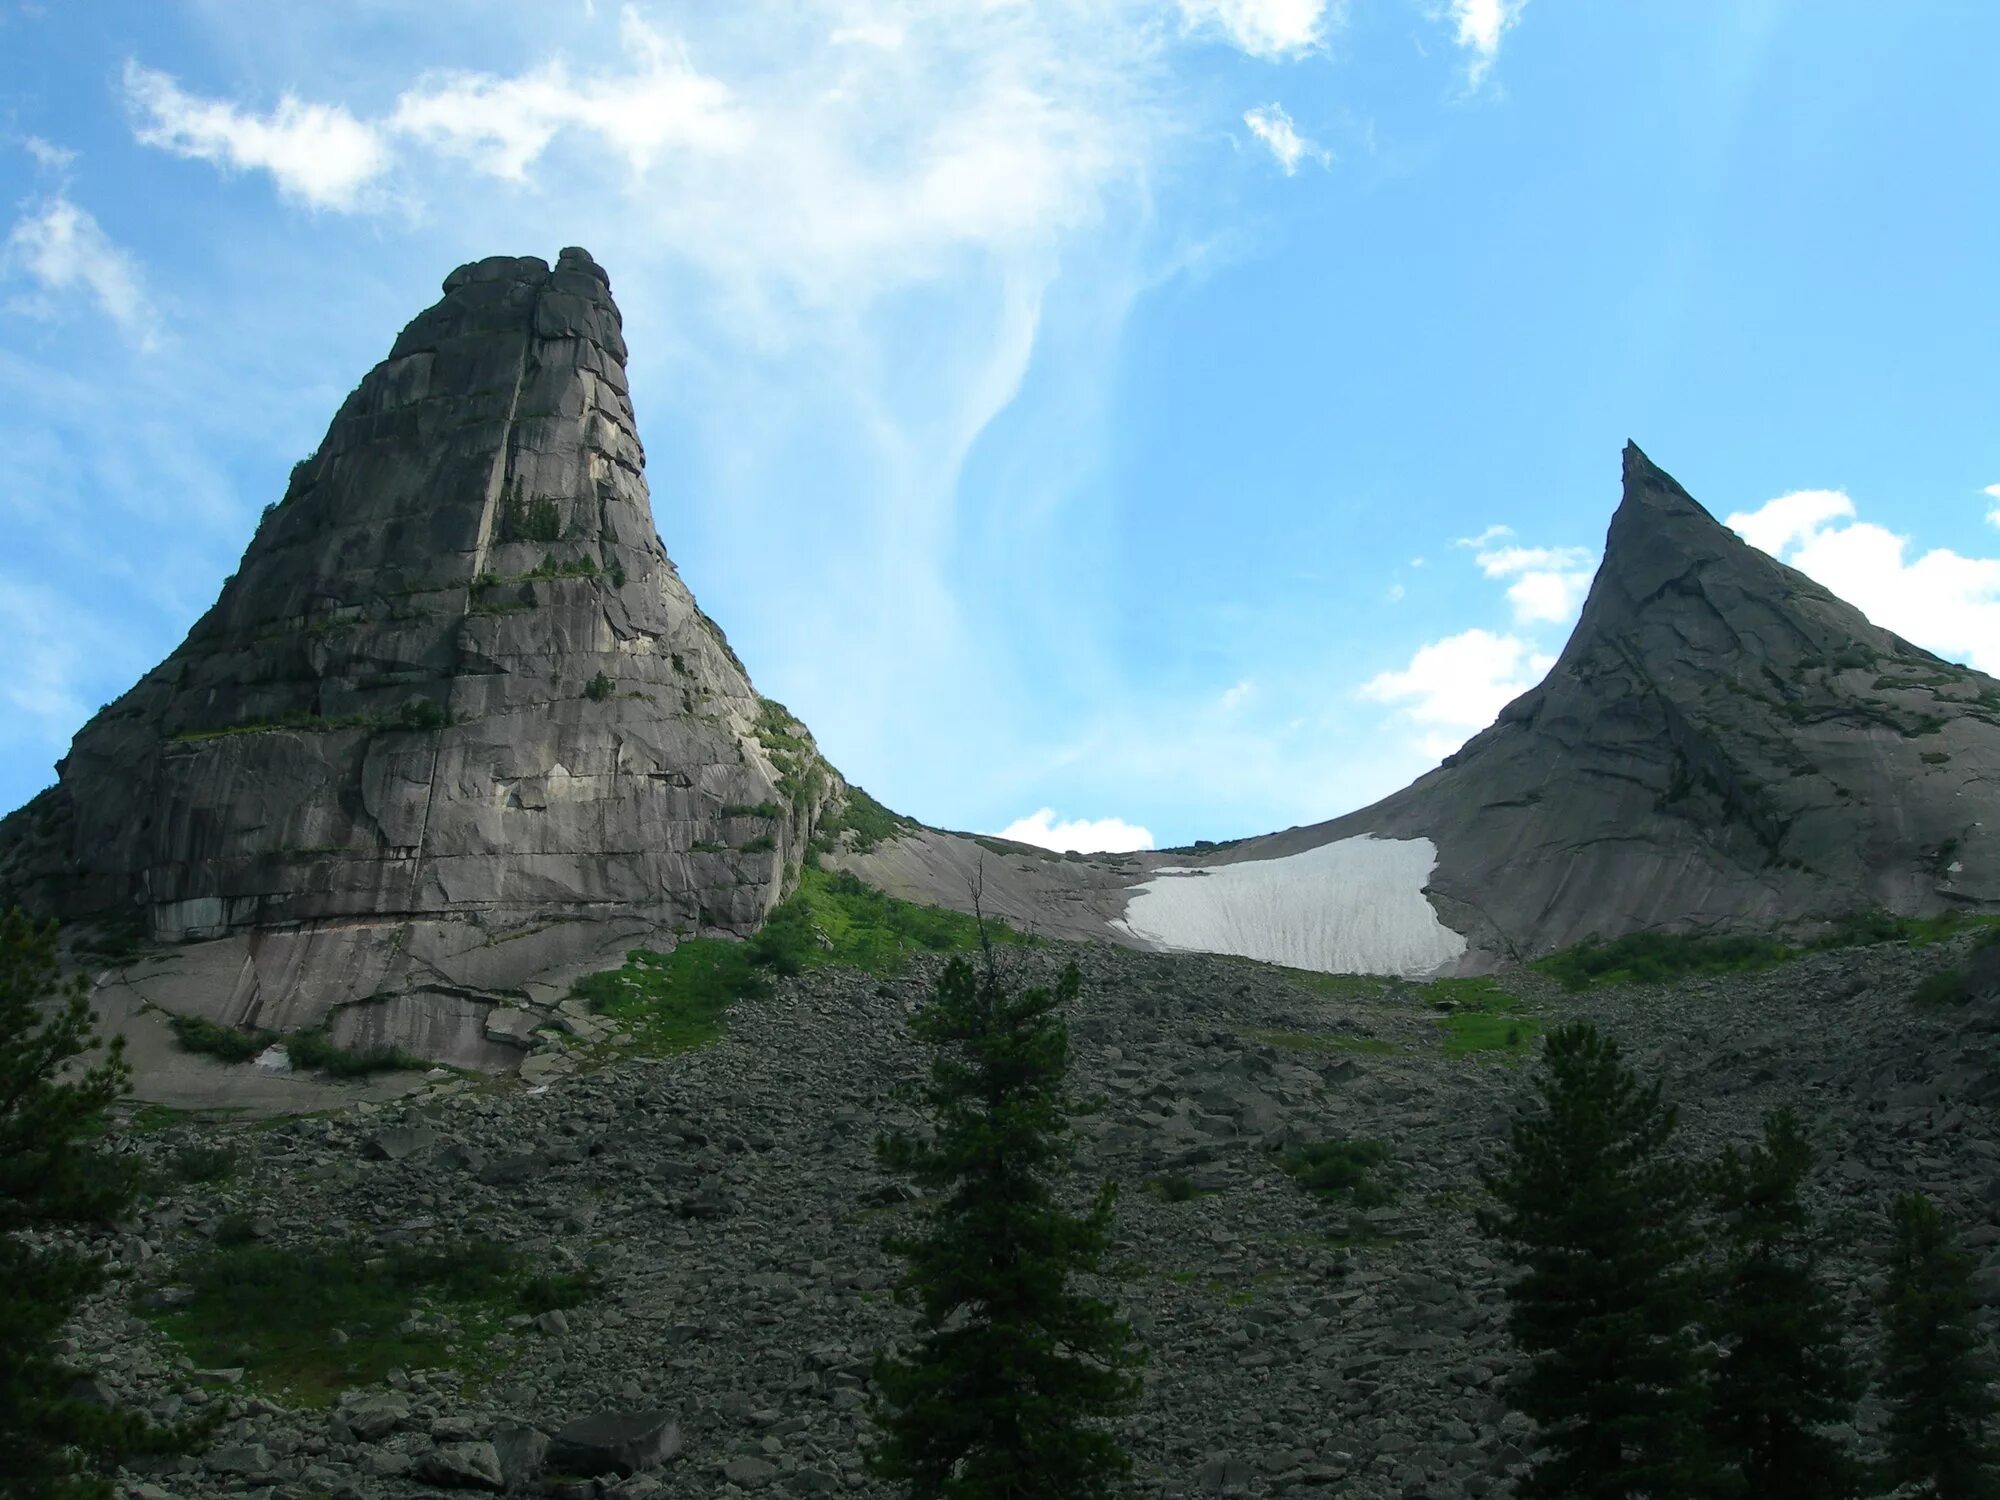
(1342, 1171)
(1480, 1016)
(274, 1311)
(1657, 957)
(673, 1002)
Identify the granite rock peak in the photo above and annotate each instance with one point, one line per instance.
(455, 727)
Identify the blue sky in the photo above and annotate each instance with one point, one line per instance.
(1185, 418)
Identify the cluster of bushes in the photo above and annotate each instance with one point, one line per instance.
(312, 1049)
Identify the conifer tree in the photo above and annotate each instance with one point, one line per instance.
(1015, 1371)
(1936, 1380)
(1781, 1376)
(1597, 1220)
(53, 1447)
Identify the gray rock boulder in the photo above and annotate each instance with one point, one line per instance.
(618, 1442)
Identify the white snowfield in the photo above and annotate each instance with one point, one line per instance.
(1355, 906)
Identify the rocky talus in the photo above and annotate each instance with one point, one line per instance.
(455, 725)
(730, 1199)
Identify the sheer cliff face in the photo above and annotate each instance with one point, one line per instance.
(455, 697)
(1723, 744)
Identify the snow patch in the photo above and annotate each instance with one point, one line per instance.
(1354, 906)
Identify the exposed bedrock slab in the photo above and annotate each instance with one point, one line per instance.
(455, 723)
(1723, 745)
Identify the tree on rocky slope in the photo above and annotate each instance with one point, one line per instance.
(1935, 1377)
(1781, 1375)
(1014, 1371)
(52, 1446)
(1597, 1220)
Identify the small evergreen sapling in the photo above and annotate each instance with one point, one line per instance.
(51, 1175)
(1781, 1375)
(1935, 1380)
(1015, 1371)
(1597, 1219)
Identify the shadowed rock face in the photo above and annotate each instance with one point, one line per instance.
(456, 720)
(1723, 745)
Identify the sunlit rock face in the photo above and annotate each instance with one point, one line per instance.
(455, 722)
(1722, 746)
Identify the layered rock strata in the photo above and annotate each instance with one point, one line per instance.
(456, 722)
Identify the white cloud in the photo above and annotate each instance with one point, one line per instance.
(661, 103)
(1485, 538)
(1271, 125)
(63, 250)
(1992, 492)
(1264, 28)
(1235, 696)
(47, 155)
(1480, 25)
(1461, 682)
(317, 153)
(1549, 582)
(1083, 835)
(1942, 600)
(1777, 524)
(821, 162)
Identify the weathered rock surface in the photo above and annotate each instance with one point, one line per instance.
(1723, 745)
(455, 724)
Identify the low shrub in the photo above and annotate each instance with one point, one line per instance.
(196, 1034)
(1173, 1187)
(316, 1050)
(1343, 1171)
(204, 1163)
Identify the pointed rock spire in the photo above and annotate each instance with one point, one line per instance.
(456, 721)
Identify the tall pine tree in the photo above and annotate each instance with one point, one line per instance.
(1597, 1219)
(53, 1447)
(1015, 1371)
(1936, 1379)
(1781, 1375)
